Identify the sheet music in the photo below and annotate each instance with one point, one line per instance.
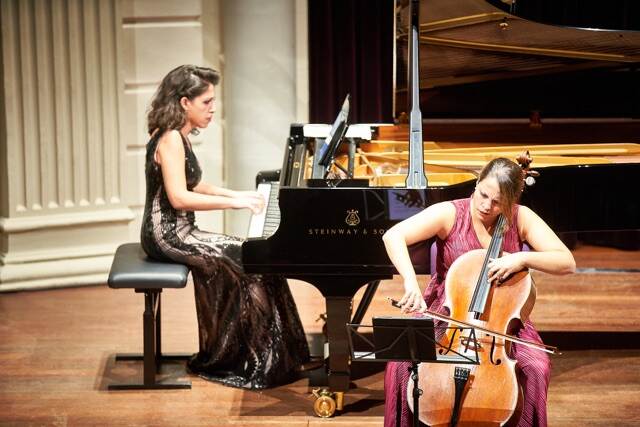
(362, 131)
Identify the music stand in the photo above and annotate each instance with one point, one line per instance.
(409, 339)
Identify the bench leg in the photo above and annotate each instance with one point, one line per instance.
(158, 334)
(152, 356)
(148, 326)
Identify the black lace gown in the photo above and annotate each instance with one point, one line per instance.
(249, 330)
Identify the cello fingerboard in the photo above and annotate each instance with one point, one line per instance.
(481, 292)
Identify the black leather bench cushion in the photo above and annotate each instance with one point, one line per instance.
(132, 268)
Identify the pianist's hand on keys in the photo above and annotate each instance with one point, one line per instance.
(251, 200)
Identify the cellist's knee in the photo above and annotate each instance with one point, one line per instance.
(536, 366)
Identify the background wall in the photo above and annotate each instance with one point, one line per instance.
(76, 80)
(63, 211)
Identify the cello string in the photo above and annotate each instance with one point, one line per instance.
(495, 246)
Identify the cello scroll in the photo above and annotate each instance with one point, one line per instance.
(528, 175)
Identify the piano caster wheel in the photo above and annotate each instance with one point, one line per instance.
(327, 402)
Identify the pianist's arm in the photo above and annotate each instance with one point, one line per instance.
(170, 155)
(212, 190)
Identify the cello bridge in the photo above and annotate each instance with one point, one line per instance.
(470, 343)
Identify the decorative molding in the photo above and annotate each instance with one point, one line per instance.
(40, 255)
(56, 282)
(165, 22)
(30, 223)
(26, 273)
(158, 20)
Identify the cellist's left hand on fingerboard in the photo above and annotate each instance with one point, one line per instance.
(500, 269)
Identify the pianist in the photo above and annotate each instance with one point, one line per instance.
(463, 225)
(249, 331)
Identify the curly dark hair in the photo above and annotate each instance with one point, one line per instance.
(186, 80)
(510, 181)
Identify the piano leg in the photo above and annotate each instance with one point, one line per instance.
(338, 315)
(338, 292)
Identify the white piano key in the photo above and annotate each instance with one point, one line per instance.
(265, 223)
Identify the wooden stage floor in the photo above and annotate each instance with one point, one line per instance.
(57, 356)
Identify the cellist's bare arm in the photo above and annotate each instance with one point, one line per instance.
(549, 253)
(435, 220)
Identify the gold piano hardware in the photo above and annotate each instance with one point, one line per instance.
(384, 161)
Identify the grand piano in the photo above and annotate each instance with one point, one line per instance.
(327, 231)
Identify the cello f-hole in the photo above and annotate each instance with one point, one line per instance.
(493, 347)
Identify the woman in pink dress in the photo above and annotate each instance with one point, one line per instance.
(459, 227)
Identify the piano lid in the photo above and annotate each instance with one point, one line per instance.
(471, 43)
(587, 14)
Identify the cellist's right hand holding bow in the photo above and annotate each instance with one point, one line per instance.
(412, 300)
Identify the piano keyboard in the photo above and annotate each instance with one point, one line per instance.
(266, 223)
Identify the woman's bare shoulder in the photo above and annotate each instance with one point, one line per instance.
(527, 220)
(526, 215)
(444, 210)
(171, 136)
(449, 217)
(443, 214)
(169, 146)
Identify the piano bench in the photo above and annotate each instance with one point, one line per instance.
(133, 269)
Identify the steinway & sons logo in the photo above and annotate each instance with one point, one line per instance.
(352, 220)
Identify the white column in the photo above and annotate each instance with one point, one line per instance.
(265, 87)
(302, 60)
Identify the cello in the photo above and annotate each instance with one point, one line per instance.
(487, 393)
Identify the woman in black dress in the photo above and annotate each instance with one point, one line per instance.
(249, 329)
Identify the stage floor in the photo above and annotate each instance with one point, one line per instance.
(57, 356)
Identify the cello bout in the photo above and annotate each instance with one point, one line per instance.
(490, 393)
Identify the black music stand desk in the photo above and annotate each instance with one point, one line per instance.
(407, 339)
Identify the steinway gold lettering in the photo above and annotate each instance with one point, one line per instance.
(354, 232)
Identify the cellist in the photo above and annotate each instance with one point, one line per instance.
(461, 226)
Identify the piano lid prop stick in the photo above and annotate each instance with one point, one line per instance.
(416, 177)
